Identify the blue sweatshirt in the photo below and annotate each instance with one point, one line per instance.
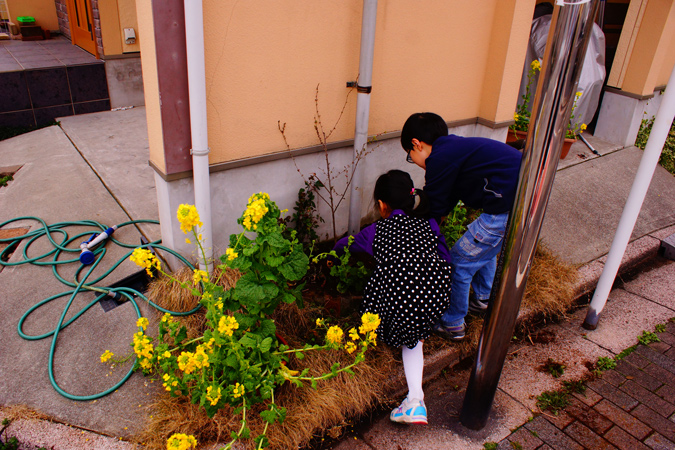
(481, 172)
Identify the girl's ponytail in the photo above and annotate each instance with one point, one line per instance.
(396, 189)
(422, 207)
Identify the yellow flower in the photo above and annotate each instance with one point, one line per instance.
(227, 325)
(188, 218)
(143, 257)
(186, 362)
(145, 363)
(369, 322)
(372, 337)
(582, 128)
(187, 241)
(238, 390)
(578, 94)
(142, 322)
(320, 322)
(200, 358)
(199, 276)
(166, 318)
(350, 347)
(231, 254)
(106, 356)
(515, 116)
(255, 210)
(334, 335)
(353, 334)
(180, 441)
(535, 65)
(210, 391)
(286, 372)
(167, 354)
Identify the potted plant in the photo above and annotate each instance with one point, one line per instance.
(521, 117)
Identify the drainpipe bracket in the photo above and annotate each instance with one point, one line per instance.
(200, 152)
(363, 89)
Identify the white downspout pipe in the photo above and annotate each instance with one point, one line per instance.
(194, 37)
(362, 111)
(643, 177)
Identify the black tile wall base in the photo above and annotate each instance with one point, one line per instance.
(35, 97)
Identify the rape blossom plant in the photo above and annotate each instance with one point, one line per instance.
(238, 361)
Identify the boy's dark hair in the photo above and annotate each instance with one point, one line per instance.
(396, 189)
(425, 127)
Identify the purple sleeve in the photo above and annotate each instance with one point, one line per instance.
(363, 242)
(443, 251)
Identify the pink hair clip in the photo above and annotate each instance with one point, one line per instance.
(412, 191)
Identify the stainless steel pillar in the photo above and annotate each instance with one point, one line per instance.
(565, 49)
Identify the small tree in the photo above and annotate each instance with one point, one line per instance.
(325, 180)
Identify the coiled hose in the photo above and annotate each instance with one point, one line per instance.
(79, 285)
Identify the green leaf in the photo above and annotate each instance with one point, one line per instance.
(270, 290)
(275, 239)
(300, 355)
(265, 345)
(267, 328)
(274, 260)
(247, 341)
(249, 291)
(296, 266)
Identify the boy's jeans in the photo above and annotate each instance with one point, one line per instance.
(474, 262)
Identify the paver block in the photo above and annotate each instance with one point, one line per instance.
(624, 420)
(658, 442)
(589, 397)
(648, 398)
(581, 433)
(656, 421)
(525, 439)
(610, 392)
(552, 435)
(588, 416)
(560, 420)
(667, 393)
(639, 376)
(637, 360)
(660, 373)
(623, 440)
(661, 347)
(668, 338)
(613, 377)
(656, 358)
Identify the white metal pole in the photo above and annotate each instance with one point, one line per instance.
(194, 36)
(643, 177)
(362, 111)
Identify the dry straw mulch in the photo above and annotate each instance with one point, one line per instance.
(325, 411)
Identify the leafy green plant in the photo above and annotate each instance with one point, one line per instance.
(5, 178)
(578, 387)
(553, 401)
(455, 224)
(660, 328)
(522, 114)
(238, 361)
(490, 446)
(305, 218)
(352, 276)
(604, 363)
(647, 337)
(555, 368)
(667, 158)
(625, 353)
(516, 445)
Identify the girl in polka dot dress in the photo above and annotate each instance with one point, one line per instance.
(410, 285)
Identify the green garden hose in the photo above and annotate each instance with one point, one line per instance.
(78, 285)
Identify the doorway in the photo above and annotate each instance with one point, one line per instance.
(82, 30)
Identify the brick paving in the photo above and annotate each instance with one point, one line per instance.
(631, 407)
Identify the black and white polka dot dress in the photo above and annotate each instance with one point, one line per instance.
(410, 286)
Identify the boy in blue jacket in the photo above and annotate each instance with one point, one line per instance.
(483, 174)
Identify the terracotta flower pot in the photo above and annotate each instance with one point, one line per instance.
(514, 135)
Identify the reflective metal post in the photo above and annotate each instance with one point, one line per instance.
(567, 41)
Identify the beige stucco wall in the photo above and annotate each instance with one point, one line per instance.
(646, 51)
(43, 11)
(264, 61)
(116, 15)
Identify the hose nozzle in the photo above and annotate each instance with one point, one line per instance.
(86, 255)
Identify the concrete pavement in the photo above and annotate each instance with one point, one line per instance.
(95, 167)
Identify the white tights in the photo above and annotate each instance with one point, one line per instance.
(413, 366)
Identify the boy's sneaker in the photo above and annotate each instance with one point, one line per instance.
(410, 411)
(451, 333)
(477, 306)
